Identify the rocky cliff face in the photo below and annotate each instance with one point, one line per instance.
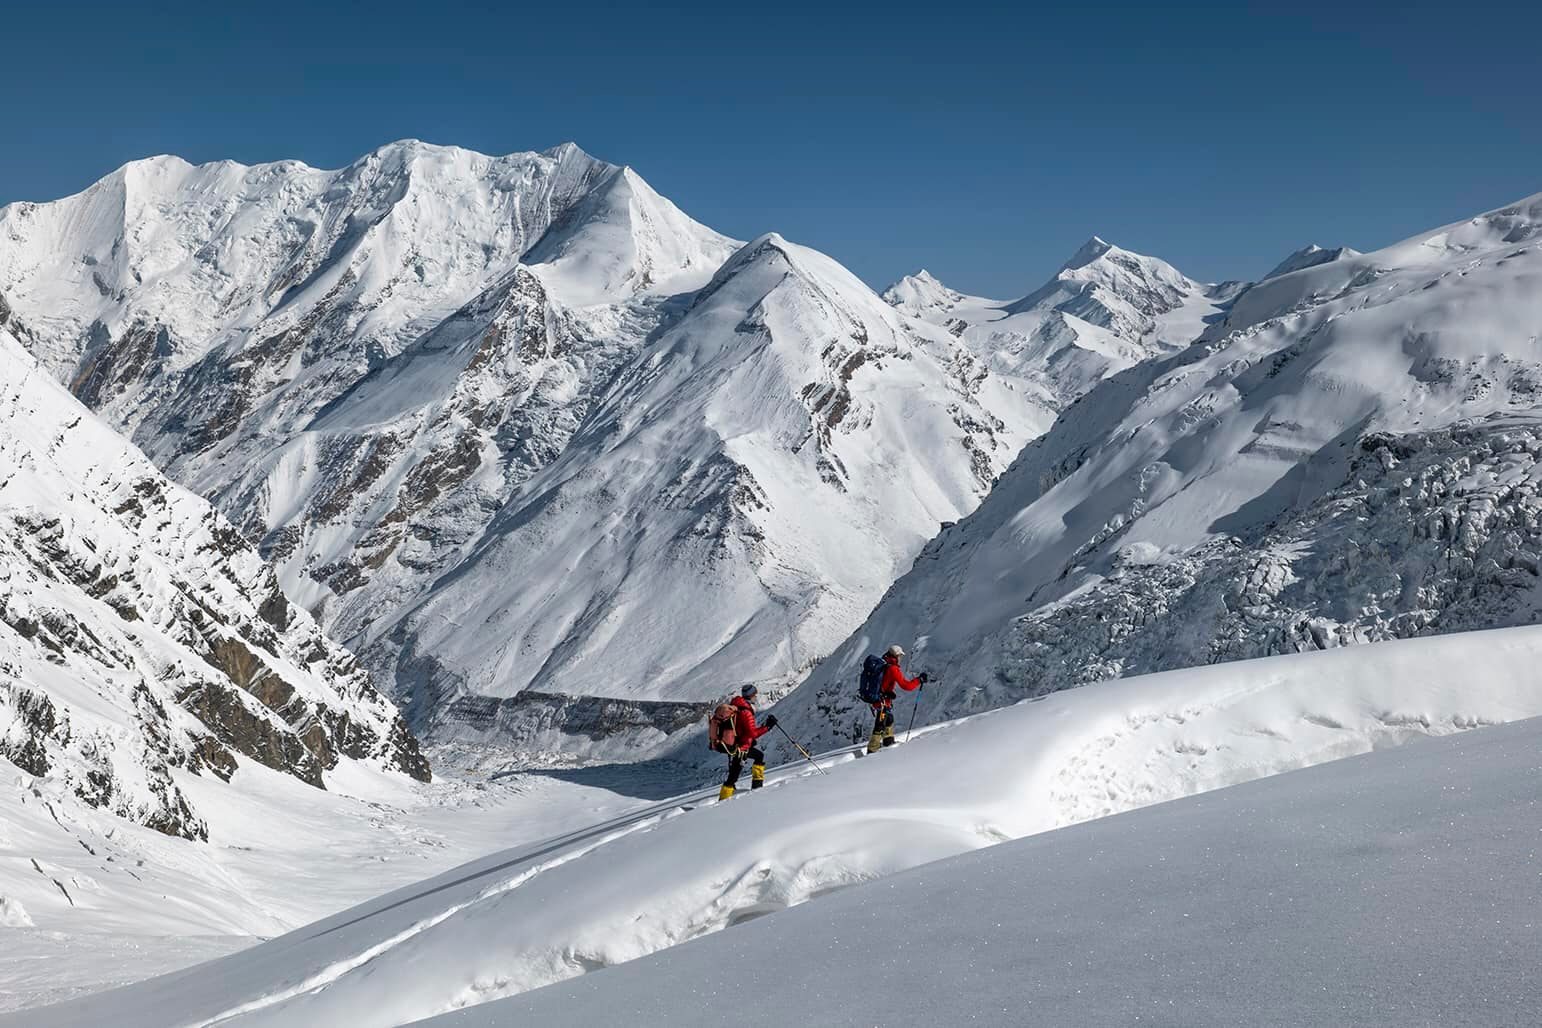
(140, 634)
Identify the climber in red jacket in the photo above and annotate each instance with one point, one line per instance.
(746, 732)
(883, 712)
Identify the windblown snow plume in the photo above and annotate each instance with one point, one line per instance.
(139, 633)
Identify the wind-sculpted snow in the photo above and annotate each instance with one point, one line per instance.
(1343, 457)
(1394, 888)
(662, 876)
(140, 634)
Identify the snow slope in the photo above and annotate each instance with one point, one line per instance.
(623, 889)
(93, 901)
(1394, 888)
(1349, 454)
(425, 382)
(139, 634)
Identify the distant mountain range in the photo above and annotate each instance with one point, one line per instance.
(1349, 453)
(561, 464)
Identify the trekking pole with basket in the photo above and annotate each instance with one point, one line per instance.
(916, 707)
(800, 749)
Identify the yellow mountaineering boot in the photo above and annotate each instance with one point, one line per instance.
(757, 775)
(875, 742)
(725, 793)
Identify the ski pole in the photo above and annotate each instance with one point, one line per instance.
(801, 750)
(913, 710)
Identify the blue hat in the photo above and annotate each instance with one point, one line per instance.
(748, 692)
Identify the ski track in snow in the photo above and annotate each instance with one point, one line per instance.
(568, 848)
(634, 823)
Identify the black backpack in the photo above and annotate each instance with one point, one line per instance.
(870, 686)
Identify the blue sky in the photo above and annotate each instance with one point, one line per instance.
(985, 143)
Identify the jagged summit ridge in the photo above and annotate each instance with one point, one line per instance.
(214, 253)
(750, 481)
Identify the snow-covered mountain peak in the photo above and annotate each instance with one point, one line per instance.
(1088, 252)
(1310, 256)
(1433, 253)
(225, 254)
(1142, 299)
(1509, 225)
(920, 294)
(624, 239)
(750, 478)
(431, 380)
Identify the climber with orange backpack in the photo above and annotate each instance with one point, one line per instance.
(732, 730)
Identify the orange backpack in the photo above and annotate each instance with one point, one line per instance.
(720, 729)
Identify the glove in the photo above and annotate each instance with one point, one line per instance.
(771, 721)
(923, 678)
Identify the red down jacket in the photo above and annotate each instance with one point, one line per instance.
(893, 677)
(746, 731)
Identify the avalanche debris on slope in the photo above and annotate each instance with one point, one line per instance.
(139, 634)
(1345, 457)
(1430, 532)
